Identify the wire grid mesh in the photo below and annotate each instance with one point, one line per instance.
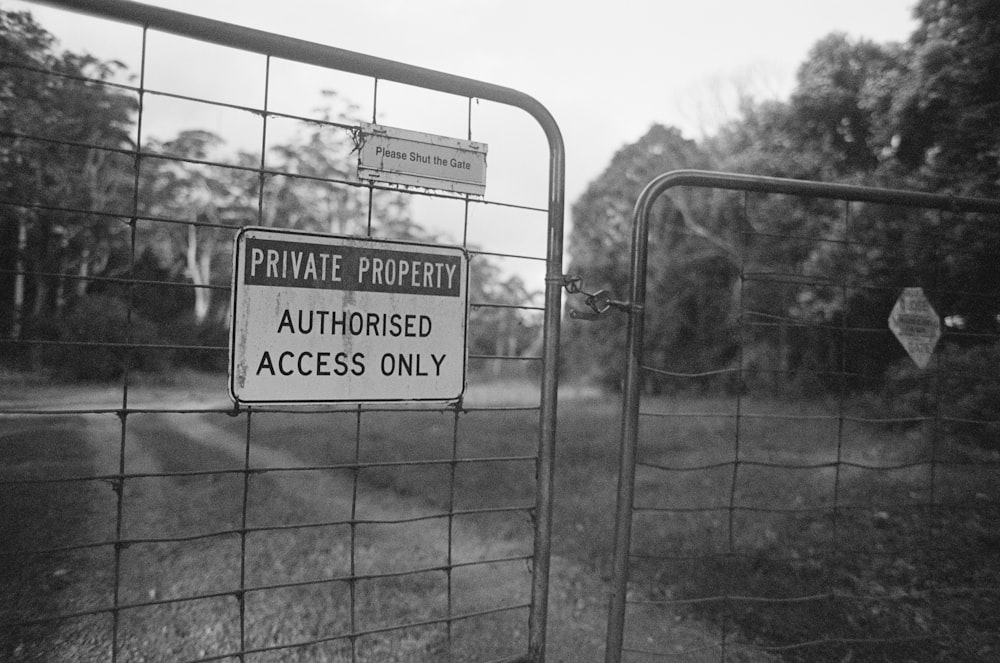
(794, 501)
(150, 521)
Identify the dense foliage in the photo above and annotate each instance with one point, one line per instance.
(920, 115)
(35, 239)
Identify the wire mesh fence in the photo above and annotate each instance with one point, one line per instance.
(814, 495)
(144, 516)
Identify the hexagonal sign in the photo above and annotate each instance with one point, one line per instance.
(916, 325)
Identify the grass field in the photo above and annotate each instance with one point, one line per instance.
(824, 531)
(834, 538)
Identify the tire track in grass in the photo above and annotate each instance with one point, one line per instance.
(397, 535)
(291, 495)
(578, 599)
(187, 630)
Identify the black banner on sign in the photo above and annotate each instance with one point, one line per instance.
(361, 269)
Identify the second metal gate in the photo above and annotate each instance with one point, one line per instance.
(782, 502)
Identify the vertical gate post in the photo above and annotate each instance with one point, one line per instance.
(629, 427)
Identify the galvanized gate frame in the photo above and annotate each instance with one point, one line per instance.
(635, 308)
(268, 44)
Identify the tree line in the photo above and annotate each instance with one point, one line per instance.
(919, 115)
(97, 230)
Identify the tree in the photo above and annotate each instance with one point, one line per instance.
(69, 166)
(63, 137)
(500, 322)
(309, 194)
(838, 101)
(693, 248)
(931, 108)
(201, 199)
(835, 127)
(947, 107)
(920, 115)
(841, 124)
(313, 193)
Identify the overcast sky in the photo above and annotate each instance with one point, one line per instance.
(606, 71)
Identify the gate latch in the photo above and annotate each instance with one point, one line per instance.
(599, 301)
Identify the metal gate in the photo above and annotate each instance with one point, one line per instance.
(777, 509)
(146, 518)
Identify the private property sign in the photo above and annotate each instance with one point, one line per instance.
(400, 156)
(916, 325)
(320, 319)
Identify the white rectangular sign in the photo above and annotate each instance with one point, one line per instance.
(320, 318)
(399, 156)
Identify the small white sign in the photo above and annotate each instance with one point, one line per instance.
(399, 156)
(320, 319)
(916, 325)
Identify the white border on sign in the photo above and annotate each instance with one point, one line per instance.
(239, 293)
